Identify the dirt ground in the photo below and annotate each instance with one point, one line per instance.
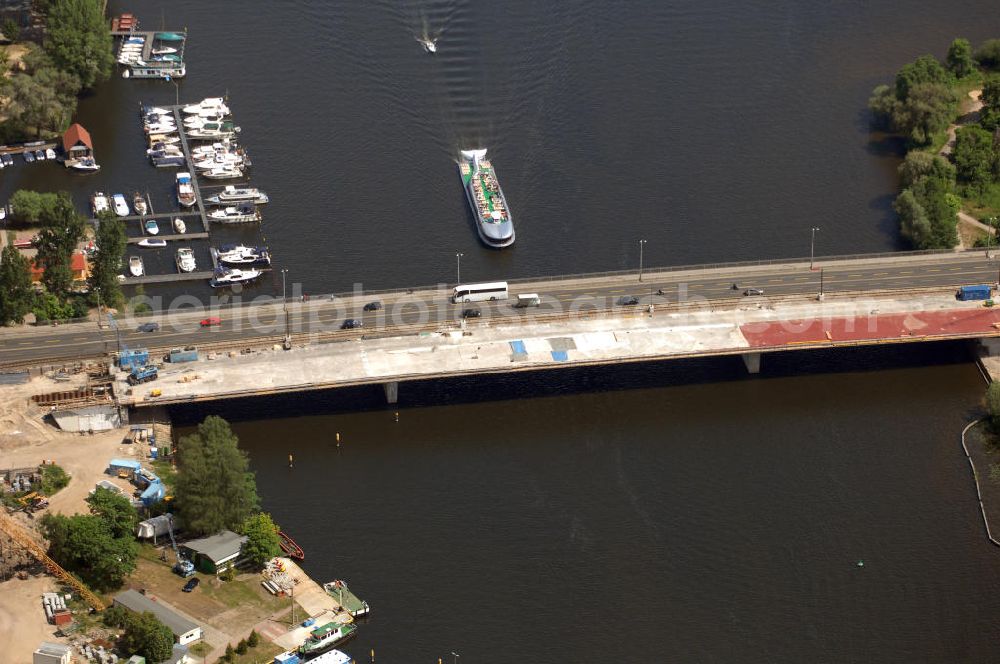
(22, 619)
(25, 440)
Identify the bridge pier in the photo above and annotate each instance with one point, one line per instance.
(391, 391)
(752, 362)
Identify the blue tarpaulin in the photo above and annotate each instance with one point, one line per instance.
(517, 346)
(559, 355)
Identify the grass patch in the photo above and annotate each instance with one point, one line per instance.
(54, 478)
(166, 472)
(264, 652)
(201, 649)
(241, 592)
(983, 204)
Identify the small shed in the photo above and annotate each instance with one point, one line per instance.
(216, 553)
(52, 653)
(76, 142)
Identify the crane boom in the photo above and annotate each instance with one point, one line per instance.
(13, 530)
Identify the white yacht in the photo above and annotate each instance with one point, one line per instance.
(209, 103)
(185, 260)
(229, 276)
(84, 165)
(233, 194)
(223, 173)
(150, 242)
(185, 190)
(244, 212)
(135, 266)
(179, 226)
(238, 254)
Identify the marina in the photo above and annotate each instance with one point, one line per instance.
(149, 54)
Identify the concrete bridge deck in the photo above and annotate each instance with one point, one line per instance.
(737, 327)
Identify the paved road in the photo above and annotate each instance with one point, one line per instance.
(70, 342)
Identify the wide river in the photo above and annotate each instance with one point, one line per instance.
(666, 512)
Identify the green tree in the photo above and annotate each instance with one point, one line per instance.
(54, 478)
(924, 70)
(989, 116)
(10, 29)
(919, 164)
(254, 639)
(16, 292)
(78, 40)
(34, 106)
(262, 539)
(988, 54)
(974, 156)
(84, 544)
(928, 109)
(215, 489)
(993, 405)
(241, 647)
(147, 636)
(935, 197)
(56, 243)
(913, 222)
(116, 511)
(884, 106)
(959, 58)
(106, 265)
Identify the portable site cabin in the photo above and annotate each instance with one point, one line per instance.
(128, 467)
(52, 653)
(153, 493)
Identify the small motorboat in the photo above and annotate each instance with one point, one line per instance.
(154, 110)
(185, 190)
(430, 45)
(152, 227)
(3, 212)
(185, 260)
(28, 156)
(121, 207)
(40, 155)
(50, 154)
(165, 58)
(135, 267)
(163, 50)
(164, 139)
(7, 159)
(139, 203)
(99, 203)
(206, 103)
(229, 276)
(167, 160)
(150, 242)
(161, 149)
(85, 165)
(179, 226)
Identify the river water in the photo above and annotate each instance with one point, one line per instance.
(665, 512)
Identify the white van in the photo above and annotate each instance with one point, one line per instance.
(527, 300)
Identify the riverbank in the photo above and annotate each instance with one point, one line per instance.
(983, 450)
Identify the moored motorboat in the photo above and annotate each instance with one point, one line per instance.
(238, 254)
(230, 276)
(214, 130)
(152, 227)
(168, 161)
(163, 50)
(169, 36)
(223, 173)
(85, 165)
(150, 242)
(233, 194)
(352, 603)
(139, 203)
(185, 259)
(135, 267)
(99, 203)
(206, 103)
(326, 637)
(185, 190)
(50, 154)
(242, 213)
(486, 199)
(120, 205)
(179, 226)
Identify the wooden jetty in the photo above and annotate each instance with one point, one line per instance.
(169, 278)
(171, 238)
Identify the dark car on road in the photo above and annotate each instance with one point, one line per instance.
(471, 313)
(148, 327)
(753, 291)
(373, 306)
(350, 324)
(628, 301)
(191, 584)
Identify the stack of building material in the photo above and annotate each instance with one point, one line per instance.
(55, 609)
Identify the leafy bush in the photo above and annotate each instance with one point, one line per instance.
(54, 478)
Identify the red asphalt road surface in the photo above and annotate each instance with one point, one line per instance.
(967, 322)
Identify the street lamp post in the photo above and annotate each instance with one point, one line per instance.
(642, 243)
(812, 247)
(284, 302)
(455, 656)
(458, 268)
(820, 285)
